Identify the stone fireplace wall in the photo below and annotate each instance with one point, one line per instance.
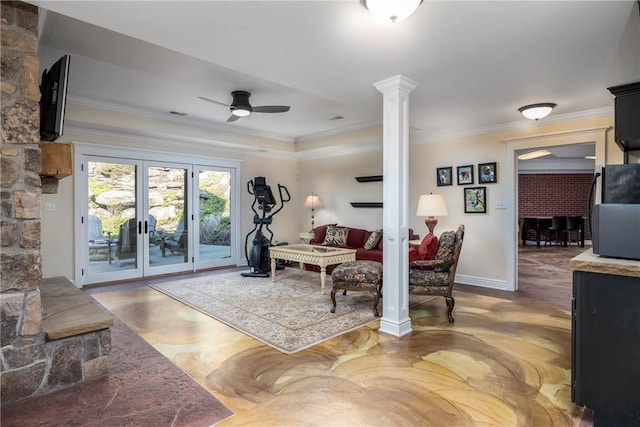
(24, 364)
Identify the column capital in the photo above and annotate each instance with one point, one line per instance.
(398, 82)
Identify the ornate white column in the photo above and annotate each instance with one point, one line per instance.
(395, 123)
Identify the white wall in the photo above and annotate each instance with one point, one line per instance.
(328, 167)
(484, 255)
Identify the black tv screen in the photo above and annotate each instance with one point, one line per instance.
(53, 99)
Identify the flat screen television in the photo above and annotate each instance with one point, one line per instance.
(53, 99)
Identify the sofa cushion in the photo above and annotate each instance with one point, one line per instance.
(446, 246)
(372, 241)
(356, 237)
(428, 247)
(336, 236)
(369, 255)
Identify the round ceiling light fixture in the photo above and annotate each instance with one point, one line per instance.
(537, 111)
(391, 10)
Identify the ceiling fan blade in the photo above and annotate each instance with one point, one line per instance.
(232, 118)
(213, 101)
(271, 109)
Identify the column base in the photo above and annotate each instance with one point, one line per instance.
(393, 328)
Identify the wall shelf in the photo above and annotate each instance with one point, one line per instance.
(366, 204)
(372, 178)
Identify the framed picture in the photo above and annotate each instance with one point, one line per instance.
(487, 173)
(465, 175)
(475, 199)
(443, 176)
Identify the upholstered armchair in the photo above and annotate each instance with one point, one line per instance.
(435, 277)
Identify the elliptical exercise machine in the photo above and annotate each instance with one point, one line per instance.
(258, 258)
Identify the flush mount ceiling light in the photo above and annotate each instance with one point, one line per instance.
(240, 111)
(533, 155)
(537, 111)
(391, 10)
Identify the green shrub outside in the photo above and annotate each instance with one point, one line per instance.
(215, 226)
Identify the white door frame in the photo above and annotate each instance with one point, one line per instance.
(82, 151)
(591, 135)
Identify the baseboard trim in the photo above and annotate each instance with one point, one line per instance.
(482, 282)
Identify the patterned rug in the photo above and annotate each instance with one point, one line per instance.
(289, 314)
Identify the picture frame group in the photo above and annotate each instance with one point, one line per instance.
(487, 174)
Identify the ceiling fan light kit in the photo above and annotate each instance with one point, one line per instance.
(391, 10)
(537, 111)
(240, 106)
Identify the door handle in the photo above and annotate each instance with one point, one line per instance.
(146, 227)
(139, 227)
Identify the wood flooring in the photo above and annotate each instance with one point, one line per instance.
(506, 361)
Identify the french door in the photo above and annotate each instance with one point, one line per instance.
(141, 218)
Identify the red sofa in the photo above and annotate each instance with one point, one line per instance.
(356, 239)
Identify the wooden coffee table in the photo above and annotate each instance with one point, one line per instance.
(321, 256)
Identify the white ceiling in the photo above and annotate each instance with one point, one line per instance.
(476, 62)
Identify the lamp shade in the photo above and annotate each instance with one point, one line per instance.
(392, 10)
(312, 201)
(537, 111)
(431, 205)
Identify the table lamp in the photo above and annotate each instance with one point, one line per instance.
(430, 206)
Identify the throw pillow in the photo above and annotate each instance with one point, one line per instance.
(372, 241)
(319, 233)
(428, 247)
(336, 236)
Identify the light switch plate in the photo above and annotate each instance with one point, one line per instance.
(50, 207)
(501, 204)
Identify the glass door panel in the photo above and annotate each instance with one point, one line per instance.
(141, 218)
(214, 224)
(168, 223)
(112, 227)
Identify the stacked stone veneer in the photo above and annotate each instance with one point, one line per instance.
(29, 363)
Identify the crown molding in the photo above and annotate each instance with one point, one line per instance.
(522, 124)
(79, 130)
(337, 151)
(320, 153)
(340, 131)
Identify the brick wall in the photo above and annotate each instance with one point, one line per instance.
(554, 194)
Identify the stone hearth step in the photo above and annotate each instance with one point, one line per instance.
(67, 311)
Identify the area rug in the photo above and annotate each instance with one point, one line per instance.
(288, 314)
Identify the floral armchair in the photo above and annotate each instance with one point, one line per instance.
(435, 277)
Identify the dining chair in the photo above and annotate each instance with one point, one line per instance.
(558, 225)
(573, 223)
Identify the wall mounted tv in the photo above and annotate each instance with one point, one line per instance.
(53, 99)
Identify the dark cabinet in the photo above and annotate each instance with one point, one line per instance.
(606, 347)
(627, 116)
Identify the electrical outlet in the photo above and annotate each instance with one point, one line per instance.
(50, 207)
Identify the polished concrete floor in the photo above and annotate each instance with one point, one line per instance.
(504, 362)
